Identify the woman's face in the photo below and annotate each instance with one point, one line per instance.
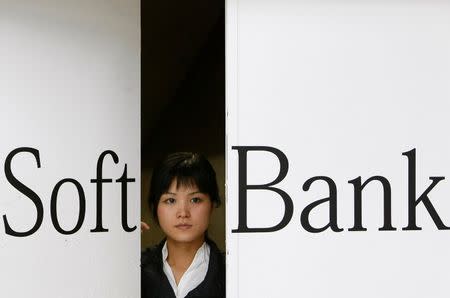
(184, 213)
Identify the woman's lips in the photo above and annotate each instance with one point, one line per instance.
(183, 226)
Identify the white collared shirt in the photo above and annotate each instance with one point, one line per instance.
(193, 276)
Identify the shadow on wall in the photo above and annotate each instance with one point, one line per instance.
(183, 93)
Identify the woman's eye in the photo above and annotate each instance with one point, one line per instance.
(169, 201)
(196, 200)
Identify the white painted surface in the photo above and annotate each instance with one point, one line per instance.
(70, 87)
(342, 88)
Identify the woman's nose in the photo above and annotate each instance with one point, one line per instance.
(183, 210)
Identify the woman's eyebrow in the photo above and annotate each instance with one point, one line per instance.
(196, 192)
(174, 194)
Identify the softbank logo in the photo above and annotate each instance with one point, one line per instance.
(416, 199)
(99, 180)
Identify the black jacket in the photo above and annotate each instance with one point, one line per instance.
(154, 283)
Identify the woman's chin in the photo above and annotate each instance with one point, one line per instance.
(186, 238)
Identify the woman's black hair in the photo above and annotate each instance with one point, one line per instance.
(189, 169)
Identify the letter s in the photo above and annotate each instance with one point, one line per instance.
(25, 190)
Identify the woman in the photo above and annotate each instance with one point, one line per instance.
(183, 192)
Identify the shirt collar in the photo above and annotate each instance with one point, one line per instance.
(202, 254)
